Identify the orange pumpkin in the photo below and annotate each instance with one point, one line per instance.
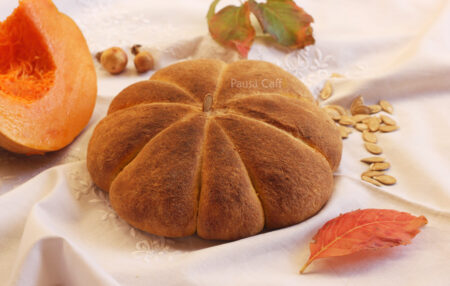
(48, 84)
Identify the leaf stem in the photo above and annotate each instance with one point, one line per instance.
(304, 266)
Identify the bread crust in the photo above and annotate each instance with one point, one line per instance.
(253, 158)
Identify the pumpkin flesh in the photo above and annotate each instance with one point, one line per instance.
(48, 83)
(27, 70)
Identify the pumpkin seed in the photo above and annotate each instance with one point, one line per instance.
(360, 117)
(344, 131)
(337, 75)
(333, 113)
(326, 91)
(360, 109)
(356, 102)
(361, 127)
(373, 124)
(373, 160)
(386, 179)
(346, 120)
(379, 166)
(338, 108)
(373, 148)
(387, 120)
(207, 103)
(370, 180)
(371, 174)
(375, 108)
(386, 106)
(388, 128)
(369, 136)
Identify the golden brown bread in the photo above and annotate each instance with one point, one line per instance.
(220, 150)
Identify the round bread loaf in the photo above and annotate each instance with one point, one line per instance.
(221, 150)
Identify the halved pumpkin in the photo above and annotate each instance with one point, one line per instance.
(48, 84)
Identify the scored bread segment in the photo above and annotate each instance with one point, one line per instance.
(256, 77)
(229, 207)
(118, 138)
(199, 78)
(158, 191)
(150, 92)
(292, 180)
(294, 115)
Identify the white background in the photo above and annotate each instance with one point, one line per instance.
(57, 228)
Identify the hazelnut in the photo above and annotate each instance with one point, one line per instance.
(114, 60)
(143, 62)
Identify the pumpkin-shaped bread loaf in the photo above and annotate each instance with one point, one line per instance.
(221, 150)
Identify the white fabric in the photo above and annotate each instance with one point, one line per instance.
(57, 228)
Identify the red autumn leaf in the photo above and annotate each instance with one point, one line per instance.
(231, 27)
(364, 229)
(287, 23)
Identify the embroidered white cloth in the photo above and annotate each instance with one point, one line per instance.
(56, 228)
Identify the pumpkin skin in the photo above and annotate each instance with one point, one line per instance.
(193, 151)
(48, 84)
